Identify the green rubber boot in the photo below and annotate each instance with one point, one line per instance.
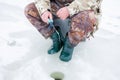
(57, 43)
(66, 54)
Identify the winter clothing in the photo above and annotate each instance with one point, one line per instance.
(90, 8)
(64, 25)
(33, 16)
(67, 51)
(57, 43)
(81, 24)
(74, 6)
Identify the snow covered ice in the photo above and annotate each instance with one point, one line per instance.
(23, 51)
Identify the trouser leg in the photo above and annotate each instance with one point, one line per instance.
(82, 25)
(64, 26)
(32, 15)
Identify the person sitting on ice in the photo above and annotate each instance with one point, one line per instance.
(73, 21)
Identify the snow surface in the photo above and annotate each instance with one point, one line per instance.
(23, 51)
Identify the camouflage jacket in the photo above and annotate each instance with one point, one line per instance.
(74, 6)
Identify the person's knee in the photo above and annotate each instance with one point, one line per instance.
(28, 8)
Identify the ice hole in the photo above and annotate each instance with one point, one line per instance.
(57, 75)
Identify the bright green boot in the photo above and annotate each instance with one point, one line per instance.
(66, 54)
(57, 43)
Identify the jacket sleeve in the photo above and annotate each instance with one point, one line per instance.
(80, 5)
(42, 5)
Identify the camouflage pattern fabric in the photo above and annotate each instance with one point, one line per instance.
(84, 15)
(33, 16)
(82, 26)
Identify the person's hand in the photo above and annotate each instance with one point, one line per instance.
(45, 16)
(63, 13)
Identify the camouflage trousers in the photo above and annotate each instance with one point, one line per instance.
(82, 24)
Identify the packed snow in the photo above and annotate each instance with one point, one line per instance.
(23, 51)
